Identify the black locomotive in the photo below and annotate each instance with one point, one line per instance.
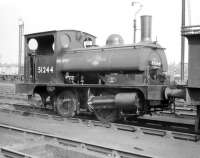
(112, 81)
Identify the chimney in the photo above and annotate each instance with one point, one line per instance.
(146, 28)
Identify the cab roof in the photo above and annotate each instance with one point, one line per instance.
(55, 31)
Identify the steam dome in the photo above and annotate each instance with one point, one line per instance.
(114, 39)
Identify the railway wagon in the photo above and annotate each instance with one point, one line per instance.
(113, 81)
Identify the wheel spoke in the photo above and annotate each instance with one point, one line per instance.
(66, 103)
(107, 115)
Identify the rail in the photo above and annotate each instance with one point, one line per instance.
(108, 152)
(14, 154)
(152, 127)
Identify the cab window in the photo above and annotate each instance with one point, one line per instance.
(42, 45)
(87, 42)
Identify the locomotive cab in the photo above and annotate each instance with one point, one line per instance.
(40, 65)
(43, 48)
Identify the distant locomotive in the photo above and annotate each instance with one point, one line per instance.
(113, 81)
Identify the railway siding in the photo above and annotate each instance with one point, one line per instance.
(127, 139)
(123, 127)
(74, 148)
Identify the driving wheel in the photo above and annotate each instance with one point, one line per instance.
(66, 103)
(38, 100)
(107, 115)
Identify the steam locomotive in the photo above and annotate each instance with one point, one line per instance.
(113, 81)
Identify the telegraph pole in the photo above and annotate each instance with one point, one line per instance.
(182, 42)
(21, 33)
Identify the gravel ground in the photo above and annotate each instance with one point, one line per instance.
(36, 146)
(136, 142)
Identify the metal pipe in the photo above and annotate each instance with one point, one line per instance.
(146, 28)
(175, 93)
(120, 100)
(134, 34)
(21, 32)
(182, 42)
(135, 21)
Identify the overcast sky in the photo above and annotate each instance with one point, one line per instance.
(98, 17)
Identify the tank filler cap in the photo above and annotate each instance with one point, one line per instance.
(114, 39)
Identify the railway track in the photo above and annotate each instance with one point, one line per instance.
(74, 147)
(147, 125)
(175, 123)
(178, 114)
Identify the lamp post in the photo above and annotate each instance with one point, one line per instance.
(21, 33)
(134, 3)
